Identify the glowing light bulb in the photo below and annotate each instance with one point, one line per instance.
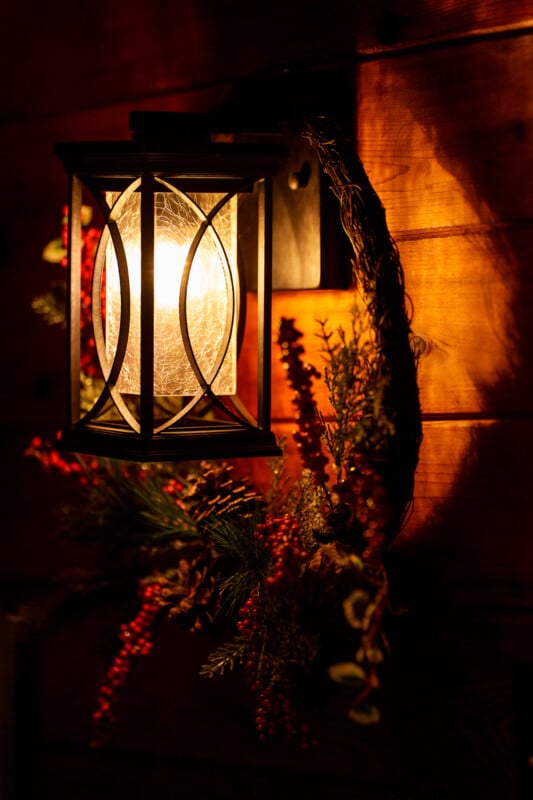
(210, 312)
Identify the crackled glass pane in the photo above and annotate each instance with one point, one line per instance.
(209, 291)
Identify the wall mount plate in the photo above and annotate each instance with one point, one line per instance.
(310, 249)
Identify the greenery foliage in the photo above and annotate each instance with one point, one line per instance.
(295, 578)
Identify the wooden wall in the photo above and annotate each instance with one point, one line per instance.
(444, 114)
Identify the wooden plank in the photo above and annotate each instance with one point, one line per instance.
(306, 308)
(141, 49)
(444, 135)
(469, 535)
(7, 708)
(394, 24)
(136, 50)
(470, 298)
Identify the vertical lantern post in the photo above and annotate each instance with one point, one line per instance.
(164, 297)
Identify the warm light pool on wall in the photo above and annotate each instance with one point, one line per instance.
(167, 294)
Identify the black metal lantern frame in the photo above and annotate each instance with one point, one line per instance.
(166, 348)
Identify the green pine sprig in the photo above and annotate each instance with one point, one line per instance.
(129, 503)
(226, 657)
(357, 387)
(243, 561)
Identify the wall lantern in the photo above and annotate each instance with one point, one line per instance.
(168, 303)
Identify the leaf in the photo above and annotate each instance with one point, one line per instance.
(54, 252)
(52, 305)
(347, 673)
(86, 215)
(365, 714)
(374, 655)
(355, 608)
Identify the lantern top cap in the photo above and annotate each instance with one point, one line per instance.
(194, 127)
(181, 145)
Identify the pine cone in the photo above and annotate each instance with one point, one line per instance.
(187, 591)
(217, 491)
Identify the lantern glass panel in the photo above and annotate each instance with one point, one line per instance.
(196, 292)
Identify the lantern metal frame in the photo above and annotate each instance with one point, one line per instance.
(165, 155)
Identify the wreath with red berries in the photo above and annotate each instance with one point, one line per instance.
(295, 578)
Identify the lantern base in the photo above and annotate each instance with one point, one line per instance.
(190, 444)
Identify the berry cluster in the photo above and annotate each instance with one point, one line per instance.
(174, 489)
(89, 238)
(87, 469)
(280, 536)
(364, 491)
(248, 627)
(274, 711)
(308, 436)
(136, 638)
(50, 458)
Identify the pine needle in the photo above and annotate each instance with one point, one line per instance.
(225, 658)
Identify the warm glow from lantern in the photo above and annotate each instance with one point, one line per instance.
(158, 305)
(209, 301)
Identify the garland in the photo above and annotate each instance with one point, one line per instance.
(295, 578)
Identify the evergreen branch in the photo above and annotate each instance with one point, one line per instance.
(235, 537)
(51, 305)
(356, 381)
(234, 589)
(243, 560)
(131, 502)
(226, 657)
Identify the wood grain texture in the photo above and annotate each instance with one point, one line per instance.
(109, 53)
(396, 24)
(106, 53)
(306, 308)
(7, 706)
(445, 136)
(472, 517)
(469, 296)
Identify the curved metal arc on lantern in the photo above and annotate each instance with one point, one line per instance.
(205, 384)
(206, 225)
(111, 371)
